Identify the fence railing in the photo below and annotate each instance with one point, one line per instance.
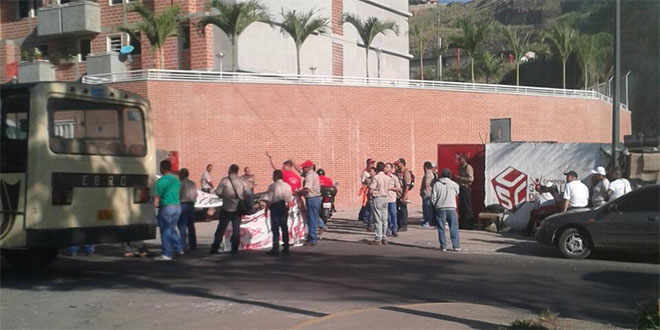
(273, 78)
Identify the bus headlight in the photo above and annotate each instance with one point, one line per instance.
(62, 196)
(141, 195)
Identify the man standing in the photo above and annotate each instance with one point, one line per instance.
(248, 179)
(601, 185)
(443, 198)
(312, 193)
(232, 190)
(392, 190)
(278, 197)
(576, 193)
(406, 178)
(465, 178)
(380, 185)
(365, 212)
(169, 210)
(619, 186)
(188, 197)
(206, 181)
(425, 191)
(288, 174)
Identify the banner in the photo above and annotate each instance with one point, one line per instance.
(206, 200)
(513, 169)
(256, 232)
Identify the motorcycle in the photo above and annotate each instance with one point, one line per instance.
(327, 203)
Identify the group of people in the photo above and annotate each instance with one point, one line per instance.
(175, 199)
(385, 189)
(578, 195)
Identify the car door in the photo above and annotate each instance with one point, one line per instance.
(630, 222)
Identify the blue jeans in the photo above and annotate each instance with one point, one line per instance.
(427, 210)
(447, 215)
(168, 217)
(365, 213)
(391, 217)
(185, 218)
(313, 207)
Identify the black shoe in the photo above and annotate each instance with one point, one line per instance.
(214, 250)
(273, 253)
(403, 229)
(285, 251)
(395, 235)
(234, 252)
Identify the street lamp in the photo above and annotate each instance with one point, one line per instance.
(627, 100)
(220, 56)
(379, 51)
(313, 69)
(616, 100)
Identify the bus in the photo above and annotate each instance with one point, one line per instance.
(76, 167)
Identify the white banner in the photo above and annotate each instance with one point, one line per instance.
(206, 200)
(513, 169)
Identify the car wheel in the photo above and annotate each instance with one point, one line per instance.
(574, 244)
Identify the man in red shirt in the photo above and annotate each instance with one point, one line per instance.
(289, 174)
(325, 181)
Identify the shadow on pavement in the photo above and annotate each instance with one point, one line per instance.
(475, 324)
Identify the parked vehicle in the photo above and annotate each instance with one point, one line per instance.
(630, 223)
(327, 203)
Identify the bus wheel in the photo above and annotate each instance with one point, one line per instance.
(32, 260)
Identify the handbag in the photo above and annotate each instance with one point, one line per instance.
(243, 208)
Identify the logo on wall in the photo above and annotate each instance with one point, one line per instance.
(510, 187)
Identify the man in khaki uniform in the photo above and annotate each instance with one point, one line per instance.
(231, 189)
(465, 178)
(380, 186)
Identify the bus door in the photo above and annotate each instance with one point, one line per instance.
(14, 117)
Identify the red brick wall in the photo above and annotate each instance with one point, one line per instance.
(337, 59)
(337, 17)
(339, 127)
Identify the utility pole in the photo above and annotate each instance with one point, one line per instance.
(438, 64)
(617, 85)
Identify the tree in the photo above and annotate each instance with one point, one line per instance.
(420, 35)
(519, 44)
(156, 28)
(473, 34)
(300, 26)
(368, 30)
(562, 40)
(490, 65)
(233, 19)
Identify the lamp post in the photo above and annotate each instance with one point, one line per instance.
(313, 69)
(617, 86)
(627, 100)
(379, 51)
(220, 56)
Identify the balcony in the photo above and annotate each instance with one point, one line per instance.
(74, 18)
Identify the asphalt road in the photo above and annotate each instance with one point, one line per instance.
(254, 291)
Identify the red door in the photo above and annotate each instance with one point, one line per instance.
(448, 158)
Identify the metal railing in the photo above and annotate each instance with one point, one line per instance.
(274, 78)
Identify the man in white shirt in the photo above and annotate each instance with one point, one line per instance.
(619, 187)
(206, 181)
(576, 193)
(599, 193)
(279, 196)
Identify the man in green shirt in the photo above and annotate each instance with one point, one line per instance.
(167, 200)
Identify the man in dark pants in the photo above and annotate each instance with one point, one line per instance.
(402, 203)
(279, 196)
(465, 178)
(188, 197)
(231, 189)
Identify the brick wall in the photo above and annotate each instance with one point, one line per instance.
(337, 59)
(337, 20)
(339, 127)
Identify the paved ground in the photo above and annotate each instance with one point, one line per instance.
(341, 283)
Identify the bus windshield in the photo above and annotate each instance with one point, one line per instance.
(95, 128)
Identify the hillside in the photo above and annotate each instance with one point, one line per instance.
(640, 22)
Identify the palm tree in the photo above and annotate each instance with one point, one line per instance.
(562, 40)
(473, 34)
(157, 28)
(368, 30)
(233, 19)
(519, 44)
(587, 53)
(490, 65)
(421, 35)
(300, 26)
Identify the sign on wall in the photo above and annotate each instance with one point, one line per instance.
(514, 169)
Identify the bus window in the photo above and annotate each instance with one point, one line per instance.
(15, 105)
(95, 128)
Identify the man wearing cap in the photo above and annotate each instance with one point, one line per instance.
(380, 186)
(312, 192)
(425, 191)
(576, 193)
(443, 198)
(601, 185)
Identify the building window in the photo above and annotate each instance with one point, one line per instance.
(85, 48)
(119, 2)
(28, 8)
(184, 36)
(114, 43)
(500, 130)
